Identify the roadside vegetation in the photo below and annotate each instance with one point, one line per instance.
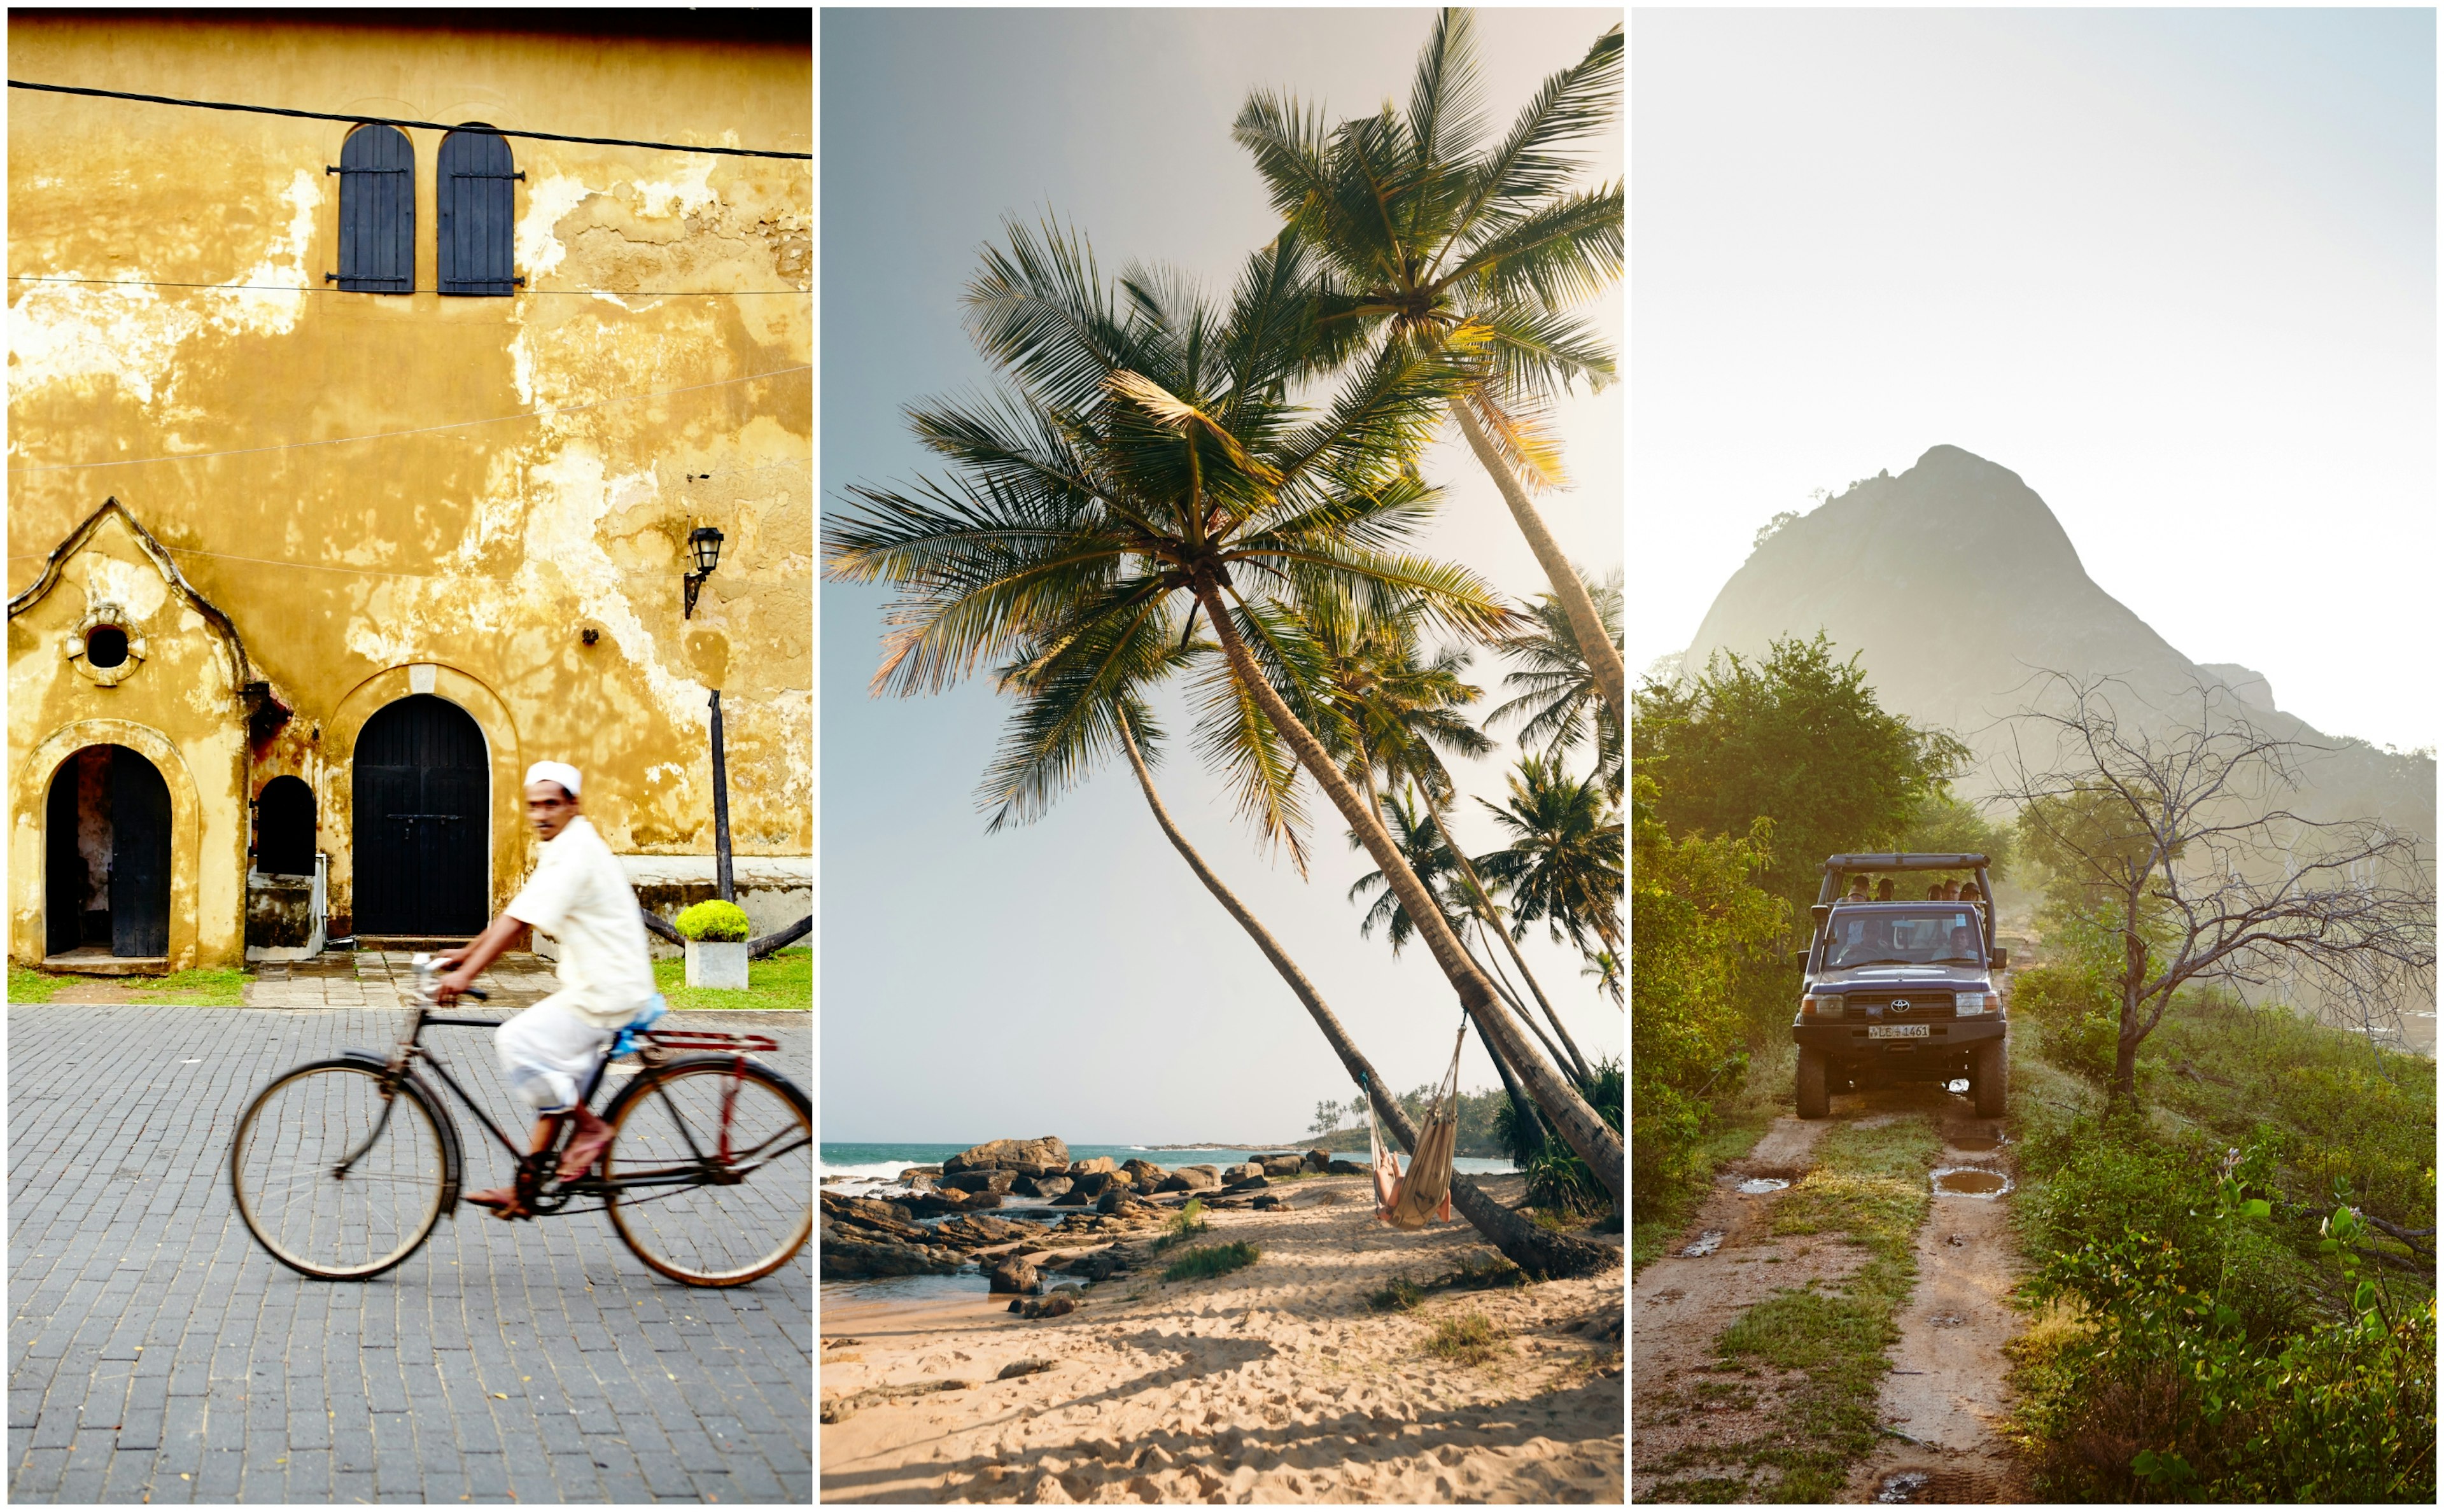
(212, 988)
(1208, 1261)
(2233, 1280)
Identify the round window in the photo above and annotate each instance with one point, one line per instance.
(105, 646)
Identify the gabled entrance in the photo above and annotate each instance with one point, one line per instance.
(422, 783)
(107, 863)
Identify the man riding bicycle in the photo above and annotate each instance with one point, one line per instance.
(580, 896)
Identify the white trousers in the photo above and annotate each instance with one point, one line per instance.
(547, 1051)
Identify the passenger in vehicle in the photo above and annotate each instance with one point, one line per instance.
(1934, 893)
(1857, 893)
(1970, 895)
(1952, 892)
(1884, 891)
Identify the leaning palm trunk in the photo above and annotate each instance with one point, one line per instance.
(1480, 900)
(1584, 622)
(1535, 1250)
(1579, 1124)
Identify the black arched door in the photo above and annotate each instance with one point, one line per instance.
(107, 866)
(424, 820)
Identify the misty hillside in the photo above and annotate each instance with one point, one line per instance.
(1957, 584)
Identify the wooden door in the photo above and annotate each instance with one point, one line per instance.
(422, 783)
(139, 855)
(64, 882)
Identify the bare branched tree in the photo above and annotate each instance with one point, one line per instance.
(2180, 833)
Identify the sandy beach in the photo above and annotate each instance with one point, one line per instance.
(1275, 1383)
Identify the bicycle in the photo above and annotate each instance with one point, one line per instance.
(343, 1168)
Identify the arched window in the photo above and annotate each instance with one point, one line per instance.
(478, 211)
(283, 828)
(377, 211)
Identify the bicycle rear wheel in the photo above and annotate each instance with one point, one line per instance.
(315, 1217)
(712, 1172)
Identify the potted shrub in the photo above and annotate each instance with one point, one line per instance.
(716, 943)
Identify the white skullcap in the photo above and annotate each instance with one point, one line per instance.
(560, 772)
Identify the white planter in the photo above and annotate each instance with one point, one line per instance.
(717, 963)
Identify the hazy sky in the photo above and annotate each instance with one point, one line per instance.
(2176, 268)
(1072, 977)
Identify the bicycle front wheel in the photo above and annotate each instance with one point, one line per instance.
(712, 1172)
(338, 1178)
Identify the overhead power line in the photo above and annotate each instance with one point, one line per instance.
(422, 429)
(384, 120)
(299, 289)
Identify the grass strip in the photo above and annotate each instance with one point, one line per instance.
(784, 979)
(1869, 1185)
(1469, 1339)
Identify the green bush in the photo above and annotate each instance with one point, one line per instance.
(1399, 1295)
(1469, 1340)
(1184, 1224)
(712, 920)
(1212, 1260)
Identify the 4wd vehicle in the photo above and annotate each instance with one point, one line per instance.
(1900, 991)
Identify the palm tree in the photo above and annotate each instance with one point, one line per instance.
(1563, 863)
(1072, 709)
(1438, 237)
(1393, 712)
(1150, 459)
(1556, 690)
(1431, 857)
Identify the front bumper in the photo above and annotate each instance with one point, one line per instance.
(1943, 1055)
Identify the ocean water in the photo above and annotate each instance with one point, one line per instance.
(873, 1170)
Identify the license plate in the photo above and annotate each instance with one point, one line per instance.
(1897, 1031)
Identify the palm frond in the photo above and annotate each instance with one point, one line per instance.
(1041, 311)
(1524, 167)
(1563, 252)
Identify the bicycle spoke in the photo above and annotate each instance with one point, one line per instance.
(699, 1228)
(283, 1162)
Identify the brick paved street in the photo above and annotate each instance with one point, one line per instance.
(156, 1352)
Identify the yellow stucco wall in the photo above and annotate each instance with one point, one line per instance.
(482, 551)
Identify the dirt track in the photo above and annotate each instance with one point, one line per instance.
(1952, 1329)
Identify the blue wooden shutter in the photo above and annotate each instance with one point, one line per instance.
(478, 212)
(378, 212)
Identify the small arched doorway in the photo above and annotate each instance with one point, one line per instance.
(422, 787)
(283, 828)
(107, 863)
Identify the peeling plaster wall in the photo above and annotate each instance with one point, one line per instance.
(486, 548)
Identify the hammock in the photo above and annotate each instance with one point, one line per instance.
(1424, 1193)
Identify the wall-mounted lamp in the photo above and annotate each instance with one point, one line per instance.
(704, 544)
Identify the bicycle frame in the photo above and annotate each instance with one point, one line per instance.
(722, 1170)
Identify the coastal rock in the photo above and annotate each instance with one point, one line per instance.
(852, 1254)
(1010, 1274)
(1266, 1203)
(1245, 1186)
(1060, 1304)
(1101, 1165)
(1144, 1175)
(975, 1232)
(1318, 1159)
(1112, 1198)
(1190, 1178)
(1101, 1266)
(1093, 1183)
(880, 1217)
(1346, 1168)
(1046, 1187)
(1072, 1198)
(1241, 1173)
(1012, 1155)
(1283, 1164)
(992, 1180)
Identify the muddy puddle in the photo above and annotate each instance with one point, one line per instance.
(1897, 1489)
(1758, 1185)
(1977, 1143)
(1969, 1181)
(1707, 1243)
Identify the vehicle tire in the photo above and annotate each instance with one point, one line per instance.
(687, 1210)
(1991, 1079)
(284, 1169)
(1813, 1101)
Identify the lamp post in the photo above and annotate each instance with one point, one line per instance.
(704, 545)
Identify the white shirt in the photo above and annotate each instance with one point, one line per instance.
(580, 896)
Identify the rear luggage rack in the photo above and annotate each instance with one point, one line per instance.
(710, 1040)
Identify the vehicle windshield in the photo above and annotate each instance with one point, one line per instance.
(1937, 933)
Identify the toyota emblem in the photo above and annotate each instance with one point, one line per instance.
(1900, 1004)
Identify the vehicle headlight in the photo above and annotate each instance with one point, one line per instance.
(1828, 1006)
(1968, 1005)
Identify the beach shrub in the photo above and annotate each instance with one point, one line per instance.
(1469, 1339)
(1184, 1224)
(712, 920)
(1480, 1270)
(1399, 1295)
(1559, 1181)
(1212, 1260)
